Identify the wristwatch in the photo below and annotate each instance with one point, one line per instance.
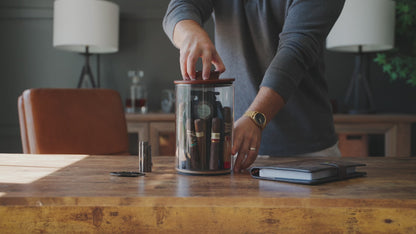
(258, 118)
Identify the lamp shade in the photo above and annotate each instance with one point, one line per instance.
(81, 23)
(365, 23)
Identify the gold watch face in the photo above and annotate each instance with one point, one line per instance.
(260, 119)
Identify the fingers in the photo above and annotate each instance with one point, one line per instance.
(245, 157)
(246, 137)
(251, 157)
(183, 64)
(190, 65)
(206, 65)
(211, 59)
(241, 157)
(217, 61)
(191, 52)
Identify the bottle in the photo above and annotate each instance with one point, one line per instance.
(138, 93)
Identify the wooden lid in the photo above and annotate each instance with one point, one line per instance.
(213, 79)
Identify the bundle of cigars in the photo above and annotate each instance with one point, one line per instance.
(204, 133)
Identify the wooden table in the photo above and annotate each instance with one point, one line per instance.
(75, 193)
(396, 129)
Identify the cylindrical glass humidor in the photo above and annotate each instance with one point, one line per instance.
(204, 120)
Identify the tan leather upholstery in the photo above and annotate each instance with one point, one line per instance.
(72, 121)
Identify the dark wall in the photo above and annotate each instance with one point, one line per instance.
(389, 97)
(28, 60)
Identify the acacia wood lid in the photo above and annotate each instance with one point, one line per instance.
(213, 79)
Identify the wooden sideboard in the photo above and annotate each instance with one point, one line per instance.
(396, 129)
(156, 128)
(159, 129)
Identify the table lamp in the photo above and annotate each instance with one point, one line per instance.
(364, 26)
(88, 27)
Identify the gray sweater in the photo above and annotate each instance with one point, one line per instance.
(278, 44)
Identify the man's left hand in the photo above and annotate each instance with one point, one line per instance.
(247, 138)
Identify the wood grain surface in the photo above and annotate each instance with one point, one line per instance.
(76, 193)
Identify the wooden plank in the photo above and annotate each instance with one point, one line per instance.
(403, 138)
(241, 219)
(398, 141)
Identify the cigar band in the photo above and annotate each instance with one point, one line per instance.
(215, 137)
(199, 134)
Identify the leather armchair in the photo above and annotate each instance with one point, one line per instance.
(72, 121)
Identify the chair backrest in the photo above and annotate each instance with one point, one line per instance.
(72, 121)
(22, 123)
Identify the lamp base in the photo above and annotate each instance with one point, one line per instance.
(86, 71)
(359, 97)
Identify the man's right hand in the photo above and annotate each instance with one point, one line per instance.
(193, 43)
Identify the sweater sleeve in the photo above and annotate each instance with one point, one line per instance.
(301, 43)
(178, 10)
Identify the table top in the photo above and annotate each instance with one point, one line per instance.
(83, 179)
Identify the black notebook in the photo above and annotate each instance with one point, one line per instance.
(311, 171)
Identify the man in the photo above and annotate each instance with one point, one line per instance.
(274, 49)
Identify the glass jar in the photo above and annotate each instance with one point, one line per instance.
(204, 120)
(137, 103)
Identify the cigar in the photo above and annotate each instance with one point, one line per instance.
(215, 144)
(220, 115)
(228, 127)
(192, 151)
(200, 129)
(181, 136)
